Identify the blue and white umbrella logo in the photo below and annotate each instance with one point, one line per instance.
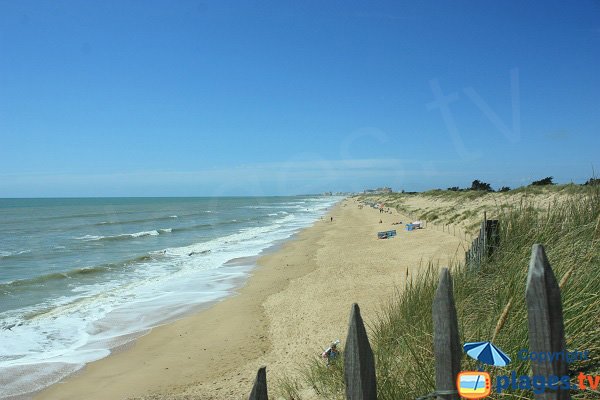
(487, 353)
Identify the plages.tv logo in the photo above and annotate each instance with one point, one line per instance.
(474, 385)
(478, 384)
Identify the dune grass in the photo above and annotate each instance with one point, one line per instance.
(490, 304)
(569, 188)
(456, 195)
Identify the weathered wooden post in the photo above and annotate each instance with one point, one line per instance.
(446, 342)
(546, 327)
(259, 390)
(477, 248)
(469, 259)
(359, 364)
(492, 237)
(483, 234)
(472, 257)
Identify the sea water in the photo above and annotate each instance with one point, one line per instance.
(79, 277)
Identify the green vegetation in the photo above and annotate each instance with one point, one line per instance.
(478, 185)
(490, 303)
(479, 188)
(543, 182)
(570, 188)
(458, 195)
(453, 218)
(462, 194)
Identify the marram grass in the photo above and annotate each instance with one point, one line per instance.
(490, 304)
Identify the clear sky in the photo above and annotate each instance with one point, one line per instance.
(184, 98)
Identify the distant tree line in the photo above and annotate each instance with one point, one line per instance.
(543, 182)
(477, 185)
(486, 187)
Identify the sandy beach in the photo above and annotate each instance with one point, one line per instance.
(297, 301)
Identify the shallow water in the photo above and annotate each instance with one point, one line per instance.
(81, 276)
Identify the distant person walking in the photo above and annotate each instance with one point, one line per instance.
(331, 219)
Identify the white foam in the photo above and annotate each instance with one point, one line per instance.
(124, 235)
(4, 253)
(90, 237)
(140, 234)
(21, 380)
(83, 326)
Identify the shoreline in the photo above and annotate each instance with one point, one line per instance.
(123, 275)
(77, 383)
(276, 318)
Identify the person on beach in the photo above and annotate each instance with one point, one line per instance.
(331, 219)
(331, 353)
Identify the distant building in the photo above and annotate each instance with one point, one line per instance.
(382, 190)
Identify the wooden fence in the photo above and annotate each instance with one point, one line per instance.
(546, 334)
(484, 244)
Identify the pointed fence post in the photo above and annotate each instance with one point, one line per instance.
(483, 235)
(259, 390)
(359, 364)
(546, 327)
(446, 342)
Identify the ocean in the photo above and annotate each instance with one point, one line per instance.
(79, 277)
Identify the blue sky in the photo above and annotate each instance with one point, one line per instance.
(184, 98)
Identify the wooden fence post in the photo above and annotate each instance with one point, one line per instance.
(359, 364)
(546, 327)
(484, 244)
(446, 342)
(478, 250)
(477, 247)
(259, 390)
(483, 235)
(492, 236)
